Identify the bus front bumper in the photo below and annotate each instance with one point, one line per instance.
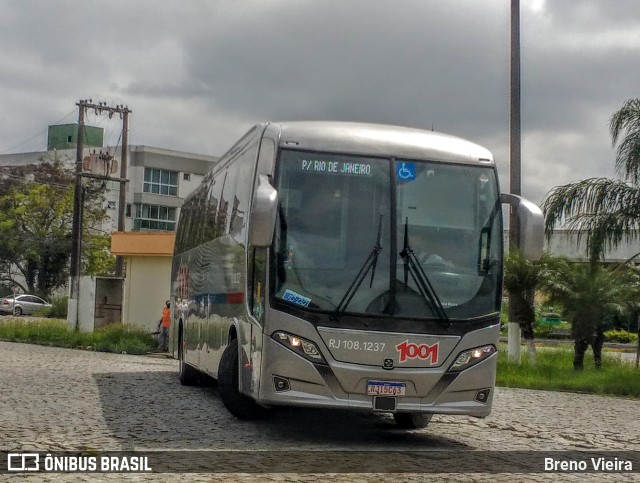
(291, 380)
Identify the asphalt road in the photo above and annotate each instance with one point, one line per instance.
(55, 400)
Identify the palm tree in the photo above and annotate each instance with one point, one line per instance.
(604, 211)
(521, 277)
(586, 291)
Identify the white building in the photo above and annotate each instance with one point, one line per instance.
(158, 182)
(565, 244)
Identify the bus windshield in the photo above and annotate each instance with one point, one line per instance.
(342, 247)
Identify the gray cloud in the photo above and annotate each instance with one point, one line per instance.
(360, 61)
(198, 74)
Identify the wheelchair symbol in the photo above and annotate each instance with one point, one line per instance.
(406, 171)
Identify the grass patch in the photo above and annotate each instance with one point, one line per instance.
(55, 332)
(554, 372)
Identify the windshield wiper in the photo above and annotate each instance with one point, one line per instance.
(412, 266)
(369, 264)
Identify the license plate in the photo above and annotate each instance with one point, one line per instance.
(386, 388)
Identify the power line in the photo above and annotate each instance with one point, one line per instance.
(36, 135)
(26, 180)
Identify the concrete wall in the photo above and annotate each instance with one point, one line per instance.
(146, 289)
(87, 304)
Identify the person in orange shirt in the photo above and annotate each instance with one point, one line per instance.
(163, 327)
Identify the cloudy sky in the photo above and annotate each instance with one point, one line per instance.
(197, 74)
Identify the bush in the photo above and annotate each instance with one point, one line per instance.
(59, 309)
(123, 338)
(621, 336)
(111, 338)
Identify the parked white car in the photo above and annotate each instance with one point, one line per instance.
(22, 304)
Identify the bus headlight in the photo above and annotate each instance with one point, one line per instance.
(300, 346)
(471, 357)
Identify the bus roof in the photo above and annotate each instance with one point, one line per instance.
(380, 140)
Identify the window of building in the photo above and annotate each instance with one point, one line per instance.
(127, 211)
(111, 205)
(187, 176)
(154, 217)
(160, 181)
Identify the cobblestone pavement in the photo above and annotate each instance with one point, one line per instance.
(56, 399)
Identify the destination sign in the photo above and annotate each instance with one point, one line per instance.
(335, 167)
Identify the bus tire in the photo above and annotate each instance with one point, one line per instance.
(241, 406)
(187, 375)
(412, 420)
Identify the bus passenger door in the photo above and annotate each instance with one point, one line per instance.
(257, 278)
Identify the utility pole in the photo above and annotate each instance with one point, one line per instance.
(515, 176)
(76, 230)
(123, 185)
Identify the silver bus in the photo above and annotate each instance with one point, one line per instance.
(345, 265)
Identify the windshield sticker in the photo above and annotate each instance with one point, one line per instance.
(405, 171)
(296, 298)
(336, 167)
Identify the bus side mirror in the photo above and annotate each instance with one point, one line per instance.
(263, 213)
(531, 229)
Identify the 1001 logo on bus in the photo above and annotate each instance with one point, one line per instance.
(409, 350)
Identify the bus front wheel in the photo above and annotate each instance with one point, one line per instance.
(241, 406)
(412, 420)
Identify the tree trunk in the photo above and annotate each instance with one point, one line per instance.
(598, 342)
(587, 331)
(580, 347)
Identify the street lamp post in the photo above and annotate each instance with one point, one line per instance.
(515, 177)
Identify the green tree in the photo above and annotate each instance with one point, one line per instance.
(521, 277)
(587, 292)
(604, 211)
(97, 258)
(36, 210)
